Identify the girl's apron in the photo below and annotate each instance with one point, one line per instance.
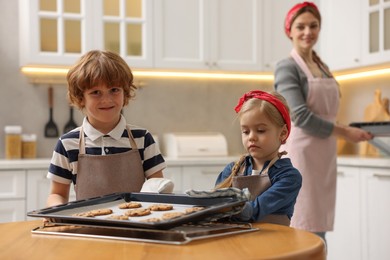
(256, 185)
(99, 175)
(315, 157)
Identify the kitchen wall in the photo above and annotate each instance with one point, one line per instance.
(161, 105)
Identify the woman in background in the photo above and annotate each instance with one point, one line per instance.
(313, 95)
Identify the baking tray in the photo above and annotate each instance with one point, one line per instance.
(177, 236)
(213, 209)
(381, 132)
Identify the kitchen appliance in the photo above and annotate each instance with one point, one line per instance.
(381, 132)
(178, 145)
(66, 220)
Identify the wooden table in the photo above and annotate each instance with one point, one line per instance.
(269, 242)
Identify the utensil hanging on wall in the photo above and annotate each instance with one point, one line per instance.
(71, 124)
(51, 129)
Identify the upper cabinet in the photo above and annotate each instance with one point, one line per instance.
(58, 32)
(357, 37)
(208, 34)
(276, 45)
(376, 29)
(341, 34)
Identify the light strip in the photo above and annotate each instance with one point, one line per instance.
(55, 71)
(364, 74)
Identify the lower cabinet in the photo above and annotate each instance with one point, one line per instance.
(345, 241)
(375, 214)
(200, 178)
(362, 229)
(174, 173)
(12, 195)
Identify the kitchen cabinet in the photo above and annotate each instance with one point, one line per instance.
(363, 193)
(208, 34)
(366, 25)
(376, 31)
(375, 225)
(276, 45)
(58, 32)
(12, 195)
(348, 217)
(341, 35)
(200, 177)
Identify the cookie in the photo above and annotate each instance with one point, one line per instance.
(171, 215)
(118, 217)
(130, 205)
(161, 207)
(151, 220)
(137, 212)
(84, 214)
(101, 212)
(193, 209)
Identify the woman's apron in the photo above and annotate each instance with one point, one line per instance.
(256, 185)
(315, 157)
(99, 175)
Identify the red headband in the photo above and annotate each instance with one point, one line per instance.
(269, 98)
(291, 14)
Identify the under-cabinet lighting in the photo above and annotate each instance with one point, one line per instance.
(61, 72)
(364, 74)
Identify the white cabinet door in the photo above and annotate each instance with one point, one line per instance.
(212, 34)
(181, 34)
(200, 178)
(12, 184)
(174, 173)
(341, 34)
(38, 189)
(277, 45)
(376, 225)
(12, 210)
(12, 195)
(348, 217)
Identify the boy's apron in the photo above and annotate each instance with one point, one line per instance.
(315, 157)
(256, 185)
(99, 175)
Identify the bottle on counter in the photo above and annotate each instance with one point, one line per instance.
(29, 146)
(13, 142)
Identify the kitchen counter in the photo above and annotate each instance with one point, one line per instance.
(352, 160)
(270, 241)
(186, 161)
(361, 161)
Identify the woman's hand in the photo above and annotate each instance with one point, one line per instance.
(352, 134)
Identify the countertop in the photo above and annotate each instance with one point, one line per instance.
(381, 162)
(269, 242)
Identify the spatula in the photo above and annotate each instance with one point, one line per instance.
(51, 129)
(71, 124)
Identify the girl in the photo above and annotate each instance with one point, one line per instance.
(105, 154)
(313, 96)
(273, 182)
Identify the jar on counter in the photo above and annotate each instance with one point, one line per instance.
(13, 142)
(29, 146)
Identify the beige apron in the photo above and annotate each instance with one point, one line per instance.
(315, 157)
(256, 185)
(99, 175)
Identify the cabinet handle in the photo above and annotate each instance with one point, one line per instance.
(381, 175)
(356, 60)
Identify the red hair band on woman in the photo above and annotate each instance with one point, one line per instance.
(291, 14)
(269, 98)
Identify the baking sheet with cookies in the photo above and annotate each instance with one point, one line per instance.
(145, 210)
